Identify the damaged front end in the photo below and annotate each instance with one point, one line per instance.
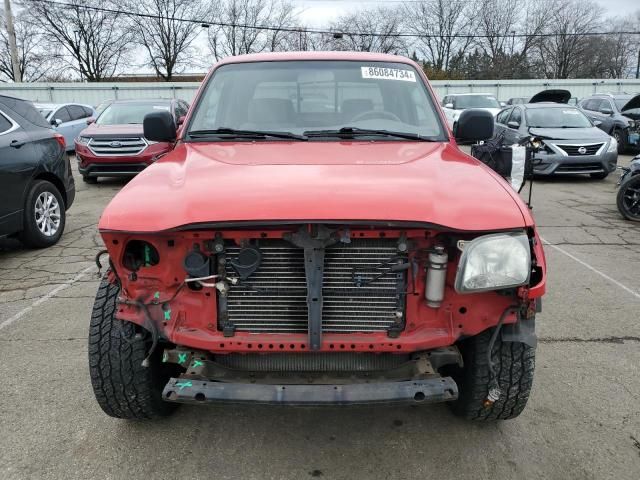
(319, 313)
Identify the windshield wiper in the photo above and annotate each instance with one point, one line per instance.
(232, 132)
(350, 132)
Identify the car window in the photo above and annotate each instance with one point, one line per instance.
(445, 100)
(303, 96)
(475, 101)
(24, 109)
(554, 117)
(181, 110)
(605, 105)
(516, 116)
(593, 104)
(130, 112)
(62, 114)
(77, 112)
(503, 115)
(87, 112)
(5, 124)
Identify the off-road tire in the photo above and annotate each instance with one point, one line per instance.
(514, 363)
(599, 176)
(31, 236)
(90, 180)
(631, 182)
(122, 386)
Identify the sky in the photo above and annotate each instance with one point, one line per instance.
(319, 13)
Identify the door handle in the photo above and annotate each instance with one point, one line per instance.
(16, 143)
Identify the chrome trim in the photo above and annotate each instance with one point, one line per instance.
(136, 145)
(14, 125)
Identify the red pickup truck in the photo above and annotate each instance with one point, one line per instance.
(316, 237)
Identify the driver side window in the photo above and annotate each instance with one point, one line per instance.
(503, 116)
(516, 117)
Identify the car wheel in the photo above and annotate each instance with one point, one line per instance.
(514, 363)
(628, 198)
(622, 144)
(44, 215)
(599, 176)
(90, 180)
(122, 386)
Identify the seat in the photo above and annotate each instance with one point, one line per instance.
(269, 113)
(354, 107)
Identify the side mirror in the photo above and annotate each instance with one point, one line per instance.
(56, 122)
(514, 125)
(159, 127)
(448, 105)
(474, 125)
(606, 111)
(181, 119)
(597, 123)
(90, 120)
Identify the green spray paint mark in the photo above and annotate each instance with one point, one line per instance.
(182, 385)
(182, 357)
(197, 363)
(156, 295)
(165, 357)
(147, 256)
(167, 315)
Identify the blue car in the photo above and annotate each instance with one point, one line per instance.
(68, 119)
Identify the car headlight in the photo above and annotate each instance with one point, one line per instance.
(494, 262)
(83, 140)
(613, 145)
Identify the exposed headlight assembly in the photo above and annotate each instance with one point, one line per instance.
(613, 145)
(83, 140)
(494, 262)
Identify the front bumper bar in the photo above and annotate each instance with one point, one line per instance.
(431, 390)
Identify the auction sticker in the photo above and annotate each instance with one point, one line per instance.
(388, 74)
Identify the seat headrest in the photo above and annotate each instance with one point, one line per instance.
(355, 106)
(270, 111)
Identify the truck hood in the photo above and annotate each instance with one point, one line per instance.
(112, 131)
(206, 183)
(587, 133)
(631, 104)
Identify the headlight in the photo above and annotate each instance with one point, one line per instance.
(83, 140)
(494, 262)
(613, 145)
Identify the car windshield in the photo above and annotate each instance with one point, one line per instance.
(554, 117)
(475, 101)
(129, 113)
(317, 99)
(45, 112)
(622, 101)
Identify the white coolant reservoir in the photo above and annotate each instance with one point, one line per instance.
(436, 276)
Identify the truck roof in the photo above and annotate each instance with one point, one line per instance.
(290, 56)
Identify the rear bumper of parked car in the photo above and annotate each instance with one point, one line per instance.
(92, 165)
(555, 164)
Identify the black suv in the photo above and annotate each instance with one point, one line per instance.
(36, 183)
(618, 114)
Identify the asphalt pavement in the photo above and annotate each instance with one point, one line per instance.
(582, 421)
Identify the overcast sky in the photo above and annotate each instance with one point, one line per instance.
(320, 12)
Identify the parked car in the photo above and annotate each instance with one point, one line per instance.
(619, 116)
(454, 104)
(517, 101)
(572, 143)
(36, 183)
(281, 255)
(114, 145)
(68, 119)
(628, 198)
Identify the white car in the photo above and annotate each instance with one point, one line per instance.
(454, 104)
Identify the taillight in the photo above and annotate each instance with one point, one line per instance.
(60, 139)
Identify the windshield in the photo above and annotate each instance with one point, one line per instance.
(556, 118)
(45, 112)
(316, 98)
(475, 101)
(125, 113)
(622, 101)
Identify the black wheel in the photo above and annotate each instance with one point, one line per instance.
(44, 215)
(628, 199)
(599, 176)
(122, 386)
(514, 364)
(620, 138)
(90, 180)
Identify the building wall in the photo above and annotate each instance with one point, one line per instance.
(94, 93)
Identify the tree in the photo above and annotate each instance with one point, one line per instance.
(167, 40)
(93, 42)
(387, 22)
(251, 26)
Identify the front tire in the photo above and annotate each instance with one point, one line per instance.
(628, 198)
(122, 386)
(514, 363)
(44, 215)
(620, 138)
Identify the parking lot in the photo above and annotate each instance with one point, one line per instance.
(582, 422)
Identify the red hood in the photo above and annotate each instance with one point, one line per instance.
(343, 181)
(112, 131)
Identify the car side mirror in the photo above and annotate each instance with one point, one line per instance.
(606, 111)
(474, 125)
(56, 122)
(159, 127)
(597, 123)
(91, 120)
(448, 105)
(513, 124)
